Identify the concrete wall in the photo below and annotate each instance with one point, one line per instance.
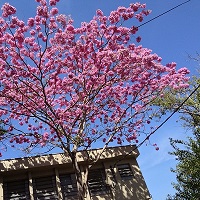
(32, 167)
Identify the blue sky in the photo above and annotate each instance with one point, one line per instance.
(173, 36)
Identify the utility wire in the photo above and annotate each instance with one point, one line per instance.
(176, 110)
(163, 13)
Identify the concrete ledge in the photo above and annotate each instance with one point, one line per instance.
(58, 159)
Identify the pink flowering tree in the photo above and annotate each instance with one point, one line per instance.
(68, 87)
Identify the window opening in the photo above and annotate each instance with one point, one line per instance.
(125, 171)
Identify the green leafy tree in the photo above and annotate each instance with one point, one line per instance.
(185, 101)
(187, 152)
(188, 168)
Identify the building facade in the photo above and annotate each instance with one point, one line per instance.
(114, 177)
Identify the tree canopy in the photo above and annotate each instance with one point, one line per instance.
(187, 152)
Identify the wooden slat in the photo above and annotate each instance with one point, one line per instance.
(45, 188)
(97, 182)
(125, 171)
(68, 186)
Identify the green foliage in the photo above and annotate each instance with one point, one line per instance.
(188, 168)
(190, 110)
(2, 131)
(187, 152)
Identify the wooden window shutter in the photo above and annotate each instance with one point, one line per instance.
(68, 186)
(44, 188)
(97, 182)
(16, 190)
(125, 171)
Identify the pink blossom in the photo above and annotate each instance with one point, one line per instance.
(139, 17)
(8, 10)
(62, 19)
(42, 11)
(69, 28)
(99, 12)
(114, 17)
(121, 9)
(40, 34)
(45, 136)
(135, 6)
(138, 39)
(42, 144)
(157, 148)
(14, 20)
(54, 11)
(32, 32)
(146, 12)
(53, 2)
(31, 22)
(42, 2)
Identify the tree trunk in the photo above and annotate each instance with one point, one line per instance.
(81, 184)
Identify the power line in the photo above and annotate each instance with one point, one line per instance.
(175, 111)
(163, 13)
(136, 147)
(157, 16)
